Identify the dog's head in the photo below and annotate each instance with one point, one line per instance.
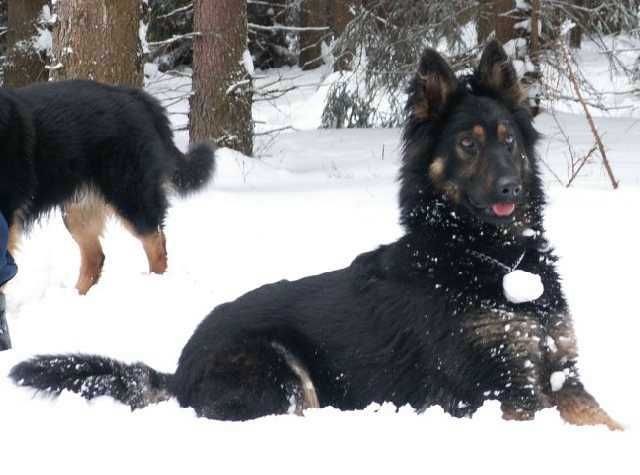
(469, 143)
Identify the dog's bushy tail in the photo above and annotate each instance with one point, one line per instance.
(136, 385)
(194, 169)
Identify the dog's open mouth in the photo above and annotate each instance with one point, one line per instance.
(496, 213)
(503, 210)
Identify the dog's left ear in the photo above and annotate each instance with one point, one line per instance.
(432, 86)
(496, 72)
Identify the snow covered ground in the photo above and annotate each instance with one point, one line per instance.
(311, 203)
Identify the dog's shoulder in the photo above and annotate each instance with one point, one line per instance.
(371, 262)
(384, 264)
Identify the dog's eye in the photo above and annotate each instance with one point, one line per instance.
(467, 142)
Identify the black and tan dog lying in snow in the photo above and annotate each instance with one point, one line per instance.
(465, 307)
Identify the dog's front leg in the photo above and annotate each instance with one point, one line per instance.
(563, 385)
(522, 394)
(509, 361)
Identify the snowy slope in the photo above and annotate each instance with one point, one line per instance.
(312, 202)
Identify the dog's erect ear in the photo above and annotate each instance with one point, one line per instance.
(432, 86)
(496, 72)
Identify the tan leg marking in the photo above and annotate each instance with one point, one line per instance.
(575, 404)
(578, 407)
(308, 397)
(15, 234)
(155, 245)
(85, 219)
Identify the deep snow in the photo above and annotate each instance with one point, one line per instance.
(313, 201)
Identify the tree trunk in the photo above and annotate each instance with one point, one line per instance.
(493, 16)
(314, 15)
(98, 40)
(505, 20)
(575, 35)
(341, 15)
(221, 104)
(532, 77)
(534, 46)
(24, 63)
(486, 21)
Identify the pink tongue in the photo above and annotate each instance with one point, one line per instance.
(503, 209)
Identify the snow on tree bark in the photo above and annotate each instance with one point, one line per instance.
(98, 40)
(24, 63)
(221, 103)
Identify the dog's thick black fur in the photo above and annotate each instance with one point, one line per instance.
(422, 321)
(83, 146)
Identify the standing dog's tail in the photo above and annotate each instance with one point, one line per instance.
(194, 169)
(136, 385)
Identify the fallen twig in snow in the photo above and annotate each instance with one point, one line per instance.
(273, 131)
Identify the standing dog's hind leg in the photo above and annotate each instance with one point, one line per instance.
(155, 246)
(85, 221)
(145, 221)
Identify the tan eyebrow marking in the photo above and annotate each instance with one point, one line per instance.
(436, 170)
(503, 133)
(479, 133)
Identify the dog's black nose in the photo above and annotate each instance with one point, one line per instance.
(508, 187)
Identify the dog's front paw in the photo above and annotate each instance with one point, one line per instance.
(578, 407)
(510, 413)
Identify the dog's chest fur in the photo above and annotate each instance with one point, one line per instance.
(473, 344)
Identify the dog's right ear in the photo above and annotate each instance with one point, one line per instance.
(432, 87)
(496, 72)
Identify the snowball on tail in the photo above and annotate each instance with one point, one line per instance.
(520, 286)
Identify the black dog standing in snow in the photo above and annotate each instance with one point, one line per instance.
(91, 150)
(426, 320)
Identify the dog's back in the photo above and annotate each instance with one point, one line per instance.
(88, 131)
